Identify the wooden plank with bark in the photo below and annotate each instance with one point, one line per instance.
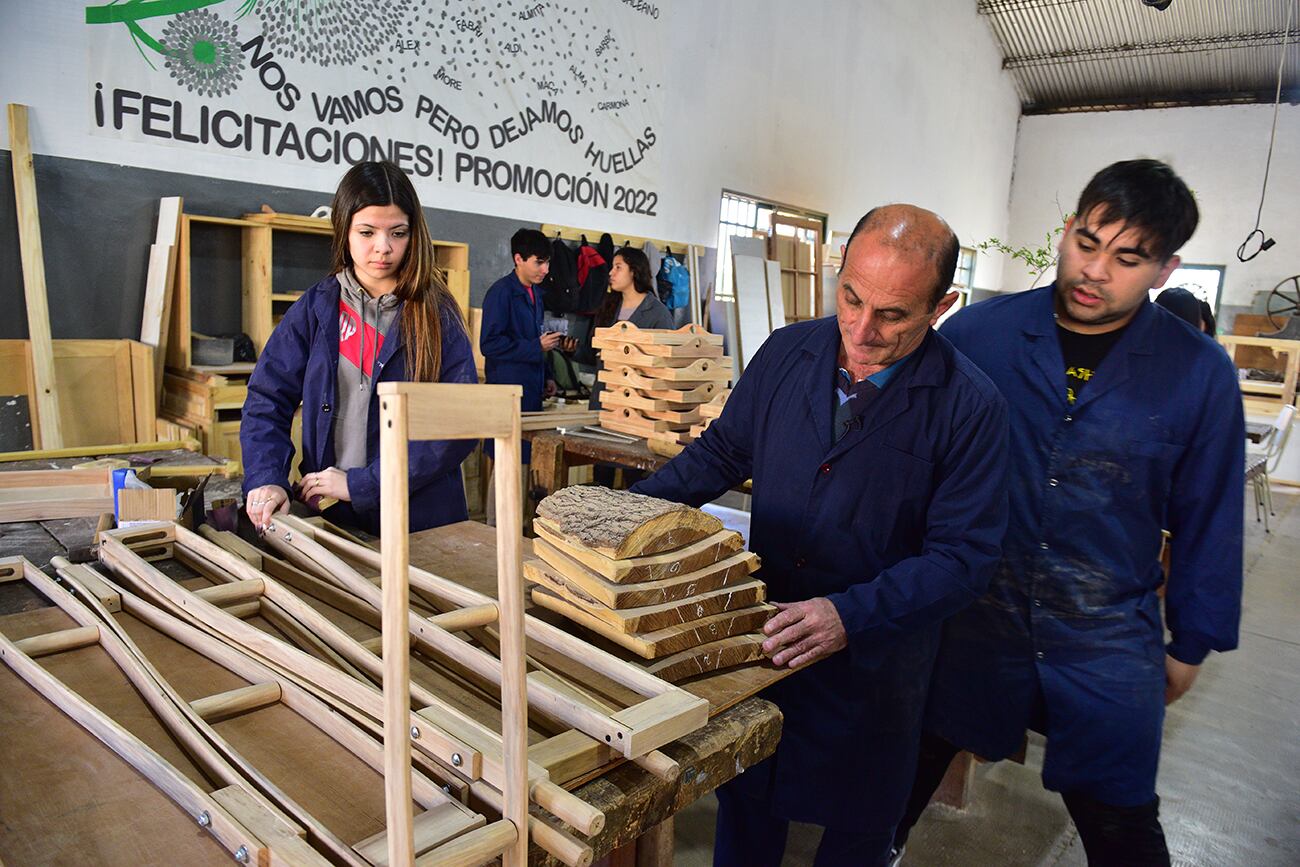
(703, 552)
(621, 524)
(708, 658)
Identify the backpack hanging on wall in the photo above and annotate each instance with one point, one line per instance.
(673, 283)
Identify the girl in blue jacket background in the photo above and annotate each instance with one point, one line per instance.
(383, 315)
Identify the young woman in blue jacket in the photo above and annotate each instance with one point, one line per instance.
(384, 314)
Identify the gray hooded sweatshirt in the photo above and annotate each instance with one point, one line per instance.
(363, 324)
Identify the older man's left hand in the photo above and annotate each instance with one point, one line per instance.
(801, 633)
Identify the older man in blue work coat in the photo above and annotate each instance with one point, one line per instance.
(1124, 421)
(878, 455)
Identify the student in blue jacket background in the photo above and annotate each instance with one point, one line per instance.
(1124, 422)
(511, 339)
(383, 315)
(878, 454)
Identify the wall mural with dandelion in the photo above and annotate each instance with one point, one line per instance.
(554, 101)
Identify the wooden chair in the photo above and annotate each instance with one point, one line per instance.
(1260, 463)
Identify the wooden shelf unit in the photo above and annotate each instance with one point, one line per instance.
(259, 300)
(181, 327)
(212, 405)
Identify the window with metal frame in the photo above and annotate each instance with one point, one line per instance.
(794, 239)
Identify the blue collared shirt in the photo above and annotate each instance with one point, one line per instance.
(853, 398)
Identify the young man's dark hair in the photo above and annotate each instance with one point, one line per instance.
(527, 243)
(1145, 195)
(941, 250)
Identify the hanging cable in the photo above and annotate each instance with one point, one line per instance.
(1266, 242)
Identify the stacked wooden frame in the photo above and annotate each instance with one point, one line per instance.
(656, 379)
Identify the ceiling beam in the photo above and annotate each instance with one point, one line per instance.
(1171, 100)
(997, 7)
(1146, 49)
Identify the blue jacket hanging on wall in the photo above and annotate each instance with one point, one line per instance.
(674, 283)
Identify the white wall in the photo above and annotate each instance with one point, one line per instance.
(840, 106)
(835, 105)
(1219, 151)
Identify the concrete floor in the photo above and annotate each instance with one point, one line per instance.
(1229, 771)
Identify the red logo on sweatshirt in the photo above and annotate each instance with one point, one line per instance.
(350, 339)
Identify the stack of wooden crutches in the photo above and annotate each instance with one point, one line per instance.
(656, 379)
(275, 624)
(660, 579)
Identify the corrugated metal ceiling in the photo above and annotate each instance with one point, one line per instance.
(1088, 55)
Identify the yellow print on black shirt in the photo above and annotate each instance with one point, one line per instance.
(1075, 374)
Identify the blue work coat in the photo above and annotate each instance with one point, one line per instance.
(1069, 637)
(510, 342)
(300, 366)
(898, 524)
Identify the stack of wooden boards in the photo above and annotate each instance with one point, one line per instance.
(662, 580)
(657, 379)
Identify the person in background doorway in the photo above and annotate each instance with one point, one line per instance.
(1123, 422)
(384, 315)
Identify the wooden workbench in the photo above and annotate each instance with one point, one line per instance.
(555, 453)
(64, 798)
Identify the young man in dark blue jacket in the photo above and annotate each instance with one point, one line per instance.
(878, 455)
(513, 344)
(1124, 421)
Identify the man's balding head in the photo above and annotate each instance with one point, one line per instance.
(915, 232)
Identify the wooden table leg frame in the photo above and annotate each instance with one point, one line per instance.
(203, 806)
(444, 817)
(241, 579)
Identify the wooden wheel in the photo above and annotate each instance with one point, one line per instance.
(1284, 301)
